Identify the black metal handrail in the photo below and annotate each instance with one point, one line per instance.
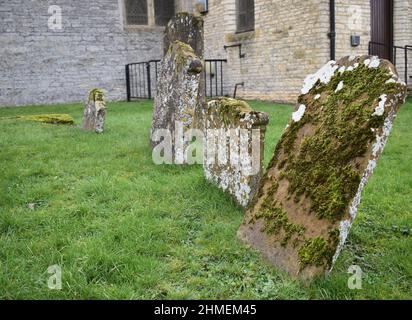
(141, 78)
(214, 82)
(394, 49)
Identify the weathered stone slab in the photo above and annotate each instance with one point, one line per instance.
(234, 148)
(94, 112)
(47, 118)
(178, 92)
(189, 29)
(309, 196)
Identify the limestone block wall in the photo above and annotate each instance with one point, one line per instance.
(43, 66)
(352, 18)
(403, 34)
(289, 41)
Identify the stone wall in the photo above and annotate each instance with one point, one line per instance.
(289, 41)
(403, 34)
(352, 19)
(42, 66)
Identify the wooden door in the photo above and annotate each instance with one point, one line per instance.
(382, 29)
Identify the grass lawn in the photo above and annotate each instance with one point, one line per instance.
(122, 228)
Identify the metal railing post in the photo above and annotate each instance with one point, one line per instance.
(128, 83)
(149, 83)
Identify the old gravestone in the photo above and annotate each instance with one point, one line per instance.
(94, 112)
(185, 28)
(189, 29)
(308, 199)
(178, 95)
(234, 147)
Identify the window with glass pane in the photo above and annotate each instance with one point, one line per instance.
(164, 11)
(136, 12)
(245, 15)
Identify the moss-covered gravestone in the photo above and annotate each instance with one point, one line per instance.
(177, 94)
(234, 148)
(94, 112)
(310, 194)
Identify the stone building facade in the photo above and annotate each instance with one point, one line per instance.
(43, 65)
(289, 39)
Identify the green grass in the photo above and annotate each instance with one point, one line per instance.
(122, 228)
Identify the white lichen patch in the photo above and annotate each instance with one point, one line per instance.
(317, 97)
(374, 63)
(324, 75)
(298, 115)
(377, 149)
(380, 109)
(339, 87)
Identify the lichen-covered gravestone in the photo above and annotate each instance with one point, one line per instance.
(94, 112)
(189, 29)
(178, 93)
(309, 196)
(234, 148)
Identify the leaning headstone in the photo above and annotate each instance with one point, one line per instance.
(188, 28)
(309, 196)
(177, 95)
(94, 112)
(234, 147)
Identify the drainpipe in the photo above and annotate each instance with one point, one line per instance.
(332, 31)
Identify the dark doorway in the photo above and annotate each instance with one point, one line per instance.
(382, 29)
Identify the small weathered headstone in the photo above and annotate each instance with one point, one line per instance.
(234, 147)
(178, 92)
(94, 112)
(309, 196)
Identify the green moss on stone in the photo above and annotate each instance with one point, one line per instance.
(96, 95)
(231, 110)
(182, 53)
(318, 251)
(323, 166)
(276, 219)
(48, 118)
